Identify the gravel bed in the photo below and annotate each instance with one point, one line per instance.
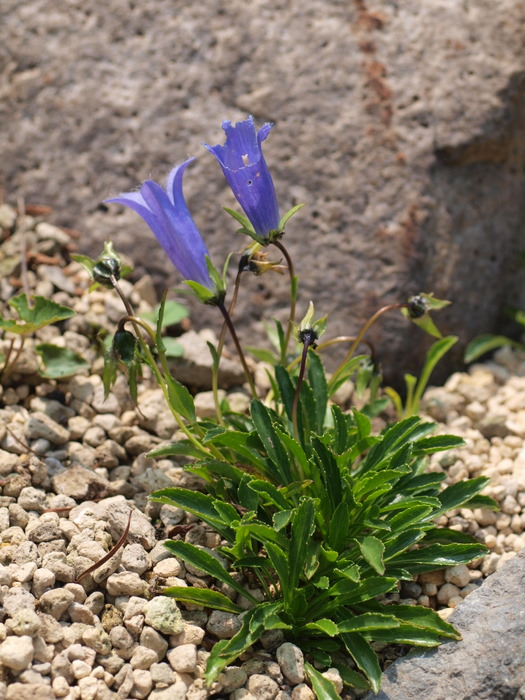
(73, 467)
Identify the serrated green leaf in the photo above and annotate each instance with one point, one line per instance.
(322, 687)
(372, 550)
(324, 625)
(486, 343)
(180, 399)
(456, 495)
(364, 657)
(203, 596)
(205, 562)
(368, 622)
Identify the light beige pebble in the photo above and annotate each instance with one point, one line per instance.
(177, 691)
(97, 639)
(142, 683)
(120, 638)
(191, 634)
(80, 668)
(135, 558)
(24, 621)
(134, 606)
(262, 687)
(60, 686)
(167, 567)
(302, 692)
(242, 694)
(126, 583)
(454, 601)
(162, 673)
(16, 653)
(154, 640)
(41, 425)
(143, 657)
(56, 602)
(332, 674)
(459, 575)
(447, 591)
(183, 658)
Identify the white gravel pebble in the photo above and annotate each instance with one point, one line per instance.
(17, 652)
(163, 614)
(183, 658)
(223, 625)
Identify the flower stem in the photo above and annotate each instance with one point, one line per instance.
(293, 296)
(309, 339)
(360, 335)
(10, 365)
(220, 347)
(235, 339)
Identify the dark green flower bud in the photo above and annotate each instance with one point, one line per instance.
(417, 306)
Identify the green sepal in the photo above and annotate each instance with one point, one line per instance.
(288, 215)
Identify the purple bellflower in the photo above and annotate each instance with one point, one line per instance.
(167, 215)
(247, 174)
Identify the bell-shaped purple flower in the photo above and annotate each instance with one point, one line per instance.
(245, 169)
(167, 215)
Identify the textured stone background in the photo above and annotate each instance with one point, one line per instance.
(400, 124)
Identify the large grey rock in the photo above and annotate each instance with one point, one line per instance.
(401, 124)
(489, 661)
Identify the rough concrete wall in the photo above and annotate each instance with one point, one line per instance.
(399, 123)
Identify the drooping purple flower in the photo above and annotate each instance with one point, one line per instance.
(167, 215)
(247, 174)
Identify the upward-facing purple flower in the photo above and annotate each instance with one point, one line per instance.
(245, 169)
(167, 215)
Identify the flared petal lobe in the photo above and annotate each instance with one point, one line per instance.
(247, 174)
(167, 215)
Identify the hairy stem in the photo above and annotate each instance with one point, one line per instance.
(360, 335)
(293, 296)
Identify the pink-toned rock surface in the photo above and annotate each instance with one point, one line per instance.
(399, 123)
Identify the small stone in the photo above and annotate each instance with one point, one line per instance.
(97, 639)
(167, 567)
(80, 669)
(458, 575)
(232, 678)
(126, 583)
(56, 602)
(25, 622)
(142, 683)
(143, 657)
(41, 425)
(332, 674)
(262, 687)
(29, 691)
(43, 580)
(223, 625)
(447, 591)
(302, 692)
(183, 658)
(191, 634)
(17, 652)
(80, 484)
(135, 558)
(163, 614)
(81, 613)
(154, 640)
(291, 661)
(161, 673)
